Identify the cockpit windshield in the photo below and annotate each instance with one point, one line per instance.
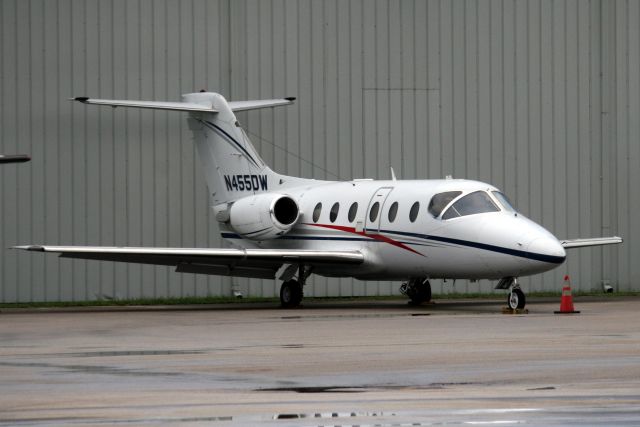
(440, 201)
(471, 204)
(504, 201)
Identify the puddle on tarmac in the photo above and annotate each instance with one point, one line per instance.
(353, 316)
(93, 369)
(292, 346)
(362, 389)
(130, 353)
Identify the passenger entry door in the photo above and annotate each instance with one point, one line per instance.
(373, 213)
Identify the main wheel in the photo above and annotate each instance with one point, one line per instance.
(419, 291)
(290, 294)
(516, 299)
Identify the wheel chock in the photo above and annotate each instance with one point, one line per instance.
(508, 310)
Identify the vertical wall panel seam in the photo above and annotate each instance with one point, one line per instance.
(414, 115)
(4, 190)
(553, 115)
(490, 77)
(628, 139)
(465, 95)
(516, 123)
(528, 123)
(29, 137)
(478, 93)
(566, 110)
(114, 187)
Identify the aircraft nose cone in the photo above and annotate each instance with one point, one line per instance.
(546, 249)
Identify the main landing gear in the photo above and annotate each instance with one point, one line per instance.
(417, 289)
(515, 299)
(291, 292)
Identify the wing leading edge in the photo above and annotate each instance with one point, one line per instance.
(258, 263)
(595, 241)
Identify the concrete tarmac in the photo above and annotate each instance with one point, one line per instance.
(365, 363)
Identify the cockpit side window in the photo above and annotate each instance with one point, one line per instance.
(440, 201)
(473, 203)
(504, 201)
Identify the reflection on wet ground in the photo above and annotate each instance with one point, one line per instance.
(382, 365)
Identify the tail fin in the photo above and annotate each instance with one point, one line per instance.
(232, 167)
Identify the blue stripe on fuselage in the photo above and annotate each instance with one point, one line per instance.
(498, 249)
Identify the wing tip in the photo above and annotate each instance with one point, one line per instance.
(590, 242)
(32, 248)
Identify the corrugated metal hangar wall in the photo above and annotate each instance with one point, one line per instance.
(541, 98)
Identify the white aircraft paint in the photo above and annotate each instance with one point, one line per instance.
(285, 227)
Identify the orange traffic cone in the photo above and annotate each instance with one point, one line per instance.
(566, 302)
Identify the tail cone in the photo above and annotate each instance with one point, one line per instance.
(566, 302)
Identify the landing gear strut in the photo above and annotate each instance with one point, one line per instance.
(417, 289)
(515, 299)
(291, 292)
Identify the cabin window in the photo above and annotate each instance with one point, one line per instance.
(316, 212)
(471, 204)
(373, 213)
(413, 213)
(393, 211)
(353, 210)
(504, 201)
(333, 213)
(440, 201)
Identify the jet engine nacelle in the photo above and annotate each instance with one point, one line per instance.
(264, 216)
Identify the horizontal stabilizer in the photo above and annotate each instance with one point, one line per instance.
(596, 241)
(153, 105)
(186, 106)
(260, 103)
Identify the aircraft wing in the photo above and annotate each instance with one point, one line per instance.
(257, 263)
(14, 158)
(596, 241)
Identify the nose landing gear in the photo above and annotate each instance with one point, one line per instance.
(515, 299)
(417, 289)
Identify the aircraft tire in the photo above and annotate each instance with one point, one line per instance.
(516, 299)
(421, 292)
(290, 294)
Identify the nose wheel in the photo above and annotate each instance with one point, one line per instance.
(516, 299)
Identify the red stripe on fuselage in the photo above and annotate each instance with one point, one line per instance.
(378, 237)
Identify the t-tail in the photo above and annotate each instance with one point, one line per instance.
(232, 166)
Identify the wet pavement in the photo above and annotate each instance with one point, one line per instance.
(365, 363)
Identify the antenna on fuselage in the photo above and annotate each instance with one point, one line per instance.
(393, 174)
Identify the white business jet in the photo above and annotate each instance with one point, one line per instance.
(288, 228)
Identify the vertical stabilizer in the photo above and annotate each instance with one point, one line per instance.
(232, 167)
